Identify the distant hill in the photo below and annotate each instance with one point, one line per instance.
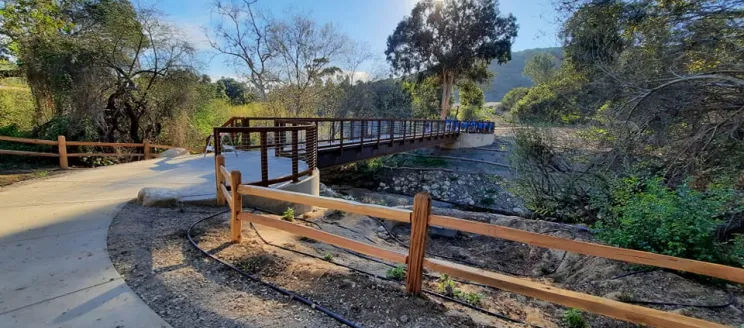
(509, 75)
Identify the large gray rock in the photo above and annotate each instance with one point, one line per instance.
(173, 152)
(157, 197)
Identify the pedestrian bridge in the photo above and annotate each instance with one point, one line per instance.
(312, 143)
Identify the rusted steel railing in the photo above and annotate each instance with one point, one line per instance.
(338, 140)
(344, 133)
(291, 139)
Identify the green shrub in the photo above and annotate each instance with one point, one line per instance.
(328, 257)
(472, 298)
(397, 273)
(289, 215)
(513, 96)
(370, 167)
(573, 318)
(645, 214)
(487, 201)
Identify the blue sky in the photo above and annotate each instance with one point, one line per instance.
(368, 21)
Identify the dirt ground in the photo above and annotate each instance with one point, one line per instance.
(14, 174)
(149, 248)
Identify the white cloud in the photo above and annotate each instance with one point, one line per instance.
(194, 34)
(357, 76)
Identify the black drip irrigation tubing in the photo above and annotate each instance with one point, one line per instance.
(401, 243)
(292, 295)
(442, 296)
(731, 296)
(338, 317)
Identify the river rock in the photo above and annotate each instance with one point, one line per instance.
(157, 197)
(173, 152)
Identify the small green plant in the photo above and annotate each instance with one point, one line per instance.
(625, 297)
(41, 174)
(328, 257)
(289, 215)
(573, 318)
(447, 286)
(472, 298)
(397, 273)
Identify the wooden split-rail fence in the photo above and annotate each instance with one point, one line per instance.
(63, 155)
(231, 191)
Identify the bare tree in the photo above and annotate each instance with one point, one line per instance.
(305, 52)
(158, 56)
(242, 32)
(356, 54)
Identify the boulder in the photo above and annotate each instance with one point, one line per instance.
(157, 197)
(328, 192)
(173, 152)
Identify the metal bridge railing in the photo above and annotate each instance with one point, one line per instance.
(300, 139)
(296, 141)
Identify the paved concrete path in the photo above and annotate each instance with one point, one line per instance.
(55, 270)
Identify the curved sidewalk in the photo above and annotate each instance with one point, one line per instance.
(56, 270)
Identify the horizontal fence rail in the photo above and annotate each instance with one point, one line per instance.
(421, 218)
(61, 143)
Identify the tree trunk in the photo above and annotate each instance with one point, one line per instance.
(448, 79)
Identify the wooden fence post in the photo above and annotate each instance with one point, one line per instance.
(62, 150)
(219, 160)
(146, 145)
(236, 207)
(417, 250)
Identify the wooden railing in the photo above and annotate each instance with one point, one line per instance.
(421, 218)
(61, 144)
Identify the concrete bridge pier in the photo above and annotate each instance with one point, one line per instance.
(307, 185)
(470, 140)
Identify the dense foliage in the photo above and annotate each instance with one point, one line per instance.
(656, 85)
(105, 70)
(471, 102)
(683, 222)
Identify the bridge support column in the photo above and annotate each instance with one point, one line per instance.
(470, 140)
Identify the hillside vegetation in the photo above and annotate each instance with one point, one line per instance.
(651, 99)
(16, 107)
(510, 75)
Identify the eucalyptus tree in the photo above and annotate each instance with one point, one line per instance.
(454, 39)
